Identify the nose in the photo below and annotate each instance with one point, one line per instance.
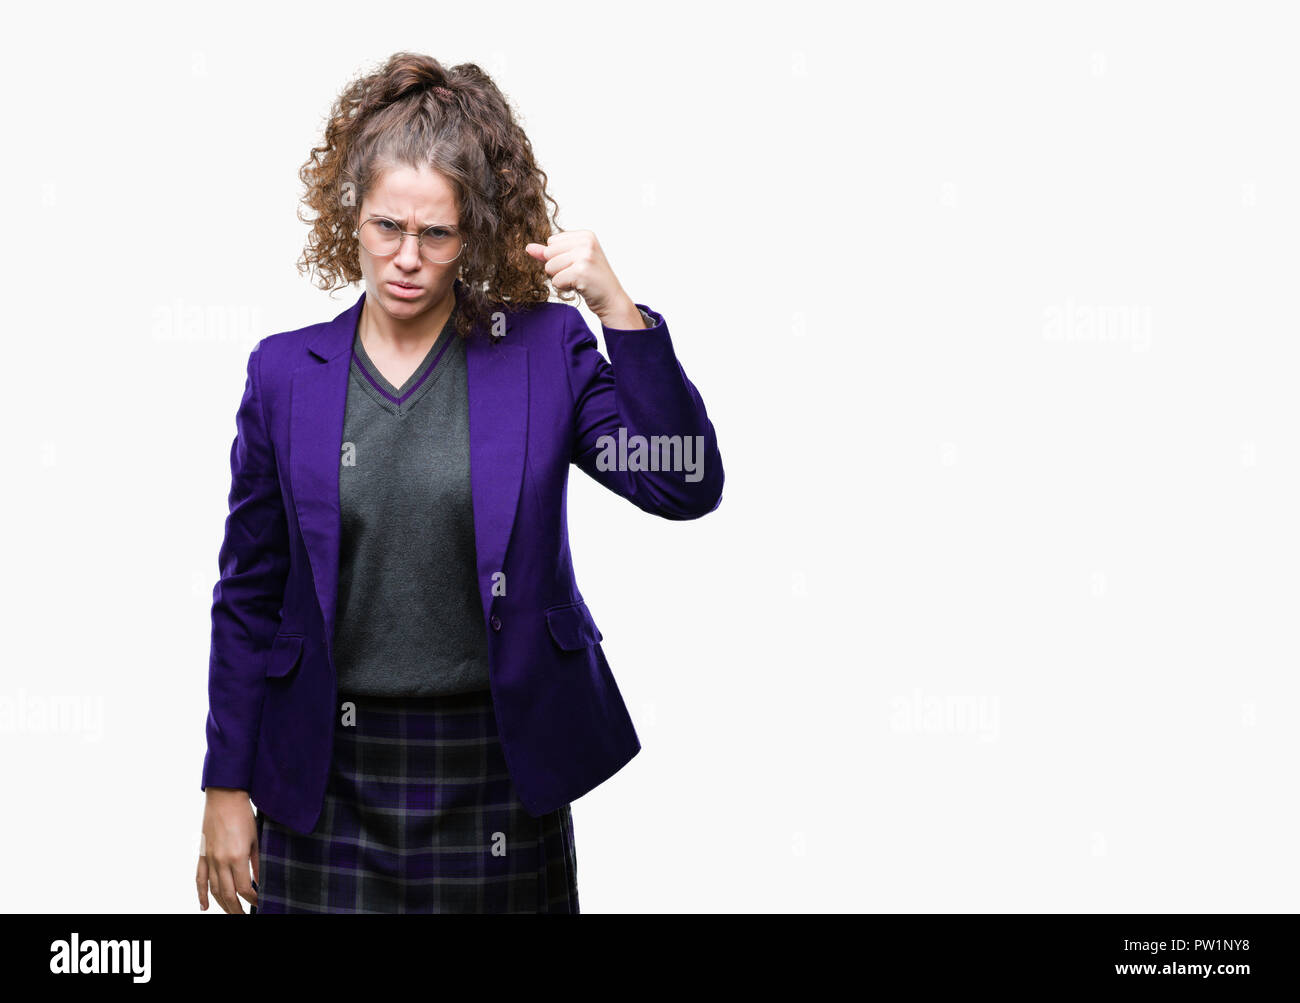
(408, 252)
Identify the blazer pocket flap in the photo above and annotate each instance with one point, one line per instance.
(572, 627)
(285, 651)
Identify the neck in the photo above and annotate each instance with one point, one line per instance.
(379, 327)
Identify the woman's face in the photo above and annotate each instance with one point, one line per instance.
(415, 200)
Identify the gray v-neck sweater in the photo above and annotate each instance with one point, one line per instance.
(409, 620)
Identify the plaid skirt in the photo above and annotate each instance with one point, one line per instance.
(420, 815)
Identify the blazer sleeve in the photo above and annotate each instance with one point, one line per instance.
(643, 433)
(246, 601)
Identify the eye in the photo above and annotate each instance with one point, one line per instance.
(384, 225)
(439, 233)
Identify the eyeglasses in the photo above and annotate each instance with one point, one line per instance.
(440, 244)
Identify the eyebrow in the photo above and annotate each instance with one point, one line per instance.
(397, 218)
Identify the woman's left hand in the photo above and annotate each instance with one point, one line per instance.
(574, 260)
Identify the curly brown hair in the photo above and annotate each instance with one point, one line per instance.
(414, 112)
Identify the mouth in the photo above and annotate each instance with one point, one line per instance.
(403, 285)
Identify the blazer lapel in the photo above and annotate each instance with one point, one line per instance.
(497, 381)
(318, 400)
(497, 375)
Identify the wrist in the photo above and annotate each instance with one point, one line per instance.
(623, 316)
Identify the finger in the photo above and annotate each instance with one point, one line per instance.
(214, 880)
(232, 886)
(577, 252)
(560, 262)
(227, 897)
(570, 278)
(568, 239)
(201, 878)
(245, 887)
(552, 247)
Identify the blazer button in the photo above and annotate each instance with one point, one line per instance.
(496, 622)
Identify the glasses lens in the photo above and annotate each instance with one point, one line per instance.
(380, 236)
(440, 244)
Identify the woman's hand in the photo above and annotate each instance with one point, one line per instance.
(229, 842)
(574, 260)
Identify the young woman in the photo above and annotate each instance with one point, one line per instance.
(404, 677)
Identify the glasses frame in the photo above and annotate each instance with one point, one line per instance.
(419, 239)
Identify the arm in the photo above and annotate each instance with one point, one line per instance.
(254, 563)
(651, 416)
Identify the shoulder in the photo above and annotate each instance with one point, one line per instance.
(286, 343)
(539, 322)
(287, 350)
(273, 359)
(546, 329)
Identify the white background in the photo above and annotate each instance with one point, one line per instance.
(993, 309)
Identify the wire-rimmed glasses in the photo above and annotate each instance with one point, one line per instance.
(440, 244)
